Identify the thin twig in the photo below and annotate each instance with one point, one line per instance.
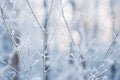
(68, 28)
(42, 29)
(12, 39)
(10, 66)
(106, 53)
(45, 44)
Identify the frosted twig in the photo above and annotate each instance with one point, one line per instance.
(109, 48)
(12, 39)
(10, 66)
(68, 28)
(107, 52)
(42, 29)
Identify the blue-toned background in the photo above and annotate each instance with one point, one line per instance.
(59, 40)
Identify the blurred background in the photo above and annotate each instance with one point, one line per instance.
(59, 39)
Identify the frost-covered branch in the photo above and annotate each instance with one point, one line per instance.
(13, 40)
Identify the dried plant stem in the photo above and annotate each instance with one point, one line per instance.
(42, 29)
(10, 66)
(106, 53)
(13, 41)
(109, 48)
(43, 56)
(44, 43)
(68, 28)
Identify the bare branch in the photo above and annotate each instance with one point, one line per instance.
(40, 26)
(13, 41)
(107, 52)
(68, 28)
